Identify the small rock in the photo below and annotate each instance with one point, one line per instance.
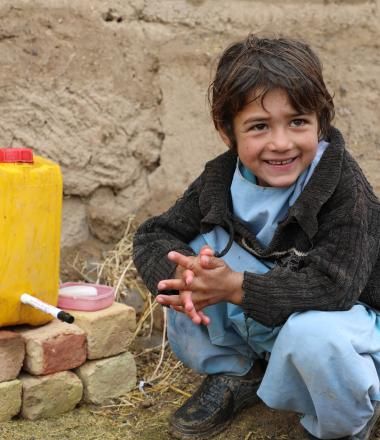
(111, 15)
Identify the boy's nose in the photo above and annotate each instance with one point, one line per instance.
(280, 140)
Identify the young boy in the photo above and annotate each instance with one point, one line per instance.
(270, 260)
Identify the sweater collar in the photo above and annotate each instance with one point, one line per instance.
(321, 186)
(215, 198)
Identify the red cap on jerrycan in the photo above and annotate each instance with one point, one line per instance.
(14, 155)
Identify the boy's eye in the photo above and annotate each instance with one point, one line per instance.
(298, 122)
(259, 127)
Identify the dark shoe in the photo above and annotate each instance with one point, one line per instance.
(312, 437)
(212, 407)
(367, 431)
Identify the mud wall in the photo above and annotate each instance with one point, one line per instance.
(115, 91)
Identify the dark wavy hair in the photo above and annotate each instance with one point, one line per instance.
(248, 69)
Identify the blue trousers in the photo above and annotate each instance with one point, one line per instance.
(323, 365)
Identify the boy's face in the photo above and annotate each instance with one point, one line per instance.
(274, 141)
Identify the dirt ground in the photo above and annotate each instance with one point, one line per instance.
(86, 423)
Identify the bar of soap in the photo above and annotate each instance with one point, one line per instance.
(78, 291)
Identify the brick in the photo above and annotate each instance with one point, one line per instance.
(12, 352)
(109, 331)
(106, 379)
(10, 399)
(54, 347)
(48, 396)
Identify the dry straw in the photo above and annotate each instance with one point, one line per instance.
(158, 371)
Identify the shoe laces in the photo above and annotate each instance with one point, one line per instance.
(213, 391)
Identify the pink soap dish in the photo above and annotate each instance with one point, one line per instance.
(103, 298)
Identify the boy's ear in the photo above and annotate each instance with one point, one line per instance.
(224, 137)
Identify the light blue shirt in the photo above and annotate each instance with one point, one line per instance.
(261, 208)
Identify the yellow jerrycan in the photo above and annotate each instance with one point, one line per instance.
(30, 230)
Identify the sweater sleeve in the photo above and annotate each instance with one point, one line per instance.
(169, 231)
(334, 272)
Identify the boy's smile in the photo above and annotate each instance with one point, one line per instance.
(274, 141)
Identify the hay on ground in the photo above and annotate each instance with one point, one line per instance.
(158, 372)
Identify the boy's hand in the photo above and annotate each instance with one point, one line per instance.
(197, 316)
(213, 282)
(186, 304)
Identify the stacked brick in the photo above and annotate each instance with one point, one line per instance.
(48, 370)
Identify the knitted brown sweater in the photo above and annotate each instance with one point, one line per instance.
(326, 251)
